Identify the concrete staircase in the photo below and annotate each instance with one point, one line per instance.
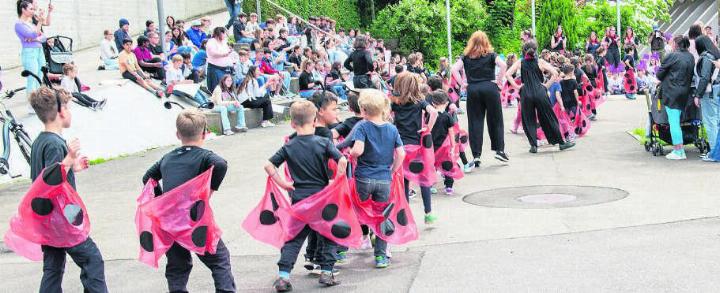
(684, 13)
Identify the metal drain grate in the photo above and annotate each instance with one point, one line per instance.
(545, 196)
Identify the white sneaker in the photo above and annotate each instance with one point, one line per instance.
(387, 252)
(366, 244)
(675, 155)
(266, 124)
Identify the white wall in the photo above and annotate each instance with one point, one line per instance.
(85, 20)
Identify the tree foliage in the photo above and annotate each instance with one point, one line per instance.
(419, 25)
(344, 11)
(554, 12)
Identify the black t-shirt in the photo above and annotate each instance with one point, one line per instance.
(284, 45)
(359, 62)
(321, 131)
(442, 126)
(296, 59)
(629, 59)
(306, 79)
(479, 69)
(238, 28)
(185, 163)
(48, 149)
(408, 120)
(307, 158)
(156, 50)
(568, 92)
(344, 128)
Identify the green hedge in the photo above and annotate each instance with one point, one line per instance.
(344, 11)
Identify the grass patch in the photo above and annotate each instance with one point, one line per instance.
(214, 129)
(99, 161)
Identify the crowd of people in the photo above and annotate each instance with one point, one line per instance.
(404, 130)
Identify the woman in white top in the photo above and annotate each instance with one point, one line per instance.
(108, 52)
(254, 96)
(219, 59)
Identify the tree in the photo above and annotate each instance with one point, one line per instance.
(558, 12)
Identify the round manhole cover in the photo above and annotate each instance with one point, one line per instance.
(545, 196)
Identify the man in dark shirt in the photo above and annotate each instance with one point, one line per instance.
(360, 62)
(307, 158)
(296, 58)
(177, 167)
(48, 150)
(242, 36)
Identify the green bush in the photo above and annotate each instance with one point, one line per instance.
(420, 25)
(345, 12)
(552, 13)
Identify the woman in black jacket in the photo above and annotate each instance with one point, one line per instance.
(360, 63)
(703, 95)
(675, 76)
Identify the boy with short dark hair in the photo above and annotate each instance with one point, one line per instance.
(343, 129)
(48, 149)
(177, 167)
(307, 158)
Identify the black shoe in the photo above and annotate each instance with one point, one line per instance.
(282, 285)
(477, 162)
(501, 156)
(533, 149)
(102, 103)
(101, 67)
(566, 145)
(328, 279)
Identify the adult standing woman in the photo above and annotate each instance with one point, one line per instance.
(675, 76)
(592, 44)
(360, 63)
(631, 42)
(219, 61)
(31, 39)
(703, 95)
(534, 98)
(558, 42)
(479, 62)
(613, 50)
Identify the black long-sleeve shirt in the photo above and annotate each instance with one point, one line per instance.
(360, 62)
(183, 164)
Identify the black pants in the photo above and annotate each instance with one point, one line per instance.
(179, 265)
(84, 100)
(263, 103)
(363, 82)
(156, 72)
(325, 256)
(538, 108)
(449, 181)
(86, 255)
(613, 57)
(484, 99)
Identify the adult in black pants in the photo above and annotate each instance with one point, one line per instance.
(479, 62)
(613, 50)
(534, 98)
(360, 63)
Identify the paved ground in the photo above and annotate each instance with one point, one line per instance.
(661, 238)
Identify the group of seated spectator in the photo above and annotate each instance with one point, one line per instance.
(261, 62)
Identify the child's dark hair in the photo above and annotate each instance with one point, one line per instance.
(399, 68)
(435, 83)
(185, 56)
(575, 61)
(567, 68)
(352, 99)
(322, 99)
(439, 97)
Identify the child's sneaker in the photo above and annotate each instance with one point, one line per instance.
(430, 219)
(282, 285)
(309, 264)
(413, 193)
(467, 168)
(449, 191)
(387, 252)
(433, 190)
(328, 279)
(381, 262)
(341, 257)
(228, 132)
(366, 244)
(266, 124)
(676, 155)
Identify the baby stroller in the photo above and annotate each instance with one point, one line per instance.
(690, 123)
(58, 52)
